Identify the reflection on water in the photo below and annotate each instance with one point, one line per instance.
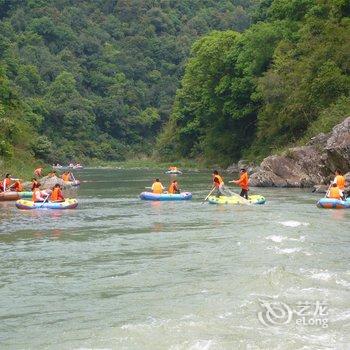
(121, 273)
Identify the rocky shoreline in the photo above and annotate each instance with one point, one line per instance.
(307, 166)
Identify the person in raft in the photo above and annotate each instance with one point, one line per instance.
(52, 173)
(17, 186)
(334, 192)
(340, 181)
(174, 188)
(37, 195)
(34, 183)
(56, 194)
(6, 183)
(157, 187)
(218, 183)
(38, 172)
(66, 176)
(243, 182)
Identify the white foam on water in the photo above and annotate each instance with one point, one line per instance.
(275, 238)
(341, 316)
(292, 223)
(323, 276)
(343, 282)
(225, 315)
(201, 345)
(197, 345)
(308, 253)
(288, 250)
(188, 317)
(300, 239)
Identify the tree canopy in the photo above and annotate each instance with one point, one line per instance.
(283, 79)
(97, 78)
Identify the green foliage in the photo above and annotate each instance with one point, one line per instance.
(98, 78)
(14, 124)
(306, 79)
(283, 79)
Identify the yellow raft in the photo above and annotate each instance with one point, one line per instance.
(253, 199)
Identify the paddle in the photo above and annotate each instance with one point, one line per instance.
(209, 194)
(45, 200)
(73, 177)
(244, 200)
(329, 187)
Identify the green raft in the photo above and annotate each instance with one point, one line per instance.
(253, 199)
(14, 196)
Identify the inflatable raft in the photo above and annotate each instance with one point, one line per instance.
(253, 199)
(74, 183)
(149, 196)
(173, 172)
(67, 204)
(14, 196)
(331, 203)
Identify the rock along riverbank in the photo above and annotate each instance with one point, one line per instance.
(310, 165)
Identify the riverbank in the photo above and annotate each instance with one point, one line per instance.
(20, 166)
(146, 163)
(309, 165)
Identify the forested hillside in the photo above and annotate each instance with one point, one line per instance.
(97, 78)
(282, 80)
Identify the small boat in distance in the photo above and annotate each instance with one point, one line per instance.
(173, 170)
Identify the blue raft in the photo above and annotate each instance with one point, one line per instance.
(331, 203)
(149, 196)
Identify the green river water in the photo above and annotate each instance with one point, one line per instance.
(121, 273)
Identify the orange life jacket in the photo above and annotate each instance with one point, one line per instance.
(218, 180)
(157, 188)
(243, 181)
(56, 194)
(18, 186)
(172, 188)
(66, 177)
(334, 193)
(340, 181)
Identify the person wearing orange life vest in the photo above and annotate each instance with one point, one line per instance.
(174, 188)
(56, 194)
(66, 176)
(340, 181)
(17, 186)
(243, 182)
(218, 183)
(157, 187)
(37, 195)
(334, 192)
(6, 183)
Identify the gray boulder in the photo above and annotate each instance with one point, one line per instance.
(308, 165)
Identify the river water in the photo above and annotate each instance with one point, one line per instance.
(121, 273)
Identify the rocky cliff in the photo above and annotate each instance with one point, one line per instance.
(310, 165)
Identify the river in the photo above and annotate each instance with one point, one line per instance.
(121, 273)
